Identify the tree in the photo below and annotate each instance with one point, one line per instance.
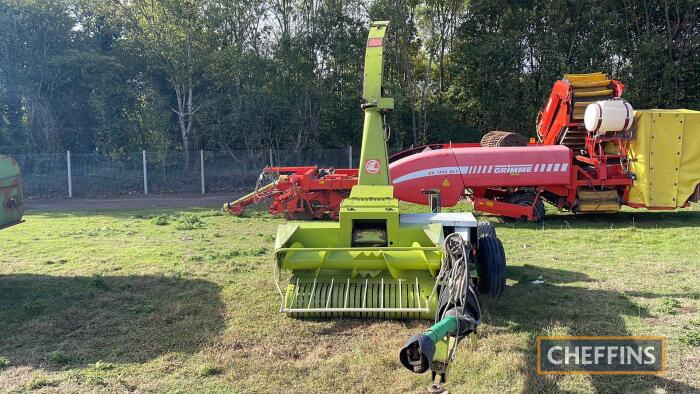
(170, 33)
(33, 34)
(659, 42)
(124, 75)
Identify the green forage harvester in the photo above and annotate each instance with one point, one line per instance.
(378, 263)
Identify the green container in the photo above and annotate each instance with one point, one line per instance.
(11, 202)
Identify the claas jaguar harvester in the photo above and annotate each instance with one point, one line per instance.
(376, 262)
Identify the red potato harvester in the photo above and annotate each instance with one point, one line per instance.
(593, 155)
(506, 181)
(571, 167)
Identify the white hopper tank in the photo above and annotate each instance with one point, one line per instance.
(608, 116)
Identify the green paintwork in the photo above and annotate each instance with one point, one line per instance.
(11, 202)
(374, 105)
(442, 334)
(321, 256)
(443, 328)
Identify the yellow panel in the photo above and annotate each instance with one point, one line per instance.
(600, 84)
(578, 113)
(580, 108)
(665, 157)
(592, 77)
(592, 92)
(597, 200)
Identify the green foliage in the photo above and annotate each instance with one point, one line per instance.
(668, 305)
(509, 54)
(692, 338)
(116, 77)
(98, 281)
(103, 366)
(259, 251)
(210, 370)
(160, 220)
(4, 363)
(189, 221)
(691, 333)
(38, 383)
(212, 213)
(58, 357)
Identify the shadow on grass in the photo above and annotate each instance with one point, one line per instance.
(57, 322)
(142, 214)
(641, 219)
(562, 306)
(145, 215)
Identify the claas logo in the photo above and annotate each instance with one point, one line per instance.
(372, 166)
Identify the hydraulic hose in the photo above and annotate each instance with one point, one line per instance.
(458, 313)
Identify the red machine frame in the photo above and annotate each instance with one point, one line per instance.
(598, 168)
(301, 193)
(561, 123)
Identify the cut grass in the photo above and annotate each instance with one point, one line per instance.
(58, 357)
(210, 370)
(133, 303)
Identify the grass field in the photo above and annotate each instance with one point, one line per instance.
(183, 301)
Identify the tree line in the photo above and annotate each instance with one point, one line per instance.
(113, 76)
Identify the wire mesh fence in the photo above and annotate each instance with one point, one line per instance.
(56, 175)
(173, 172)
(43, 174)
(95, 175)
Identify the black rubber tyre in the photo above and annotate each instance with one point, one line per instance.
(491, 266)
(498, 138)
(526, 200)
(485, 229)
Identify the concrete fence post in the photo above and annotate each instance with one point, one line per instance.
(145, 173)
(201, 169)
(271, 165)
(70, 175)
(349, 156)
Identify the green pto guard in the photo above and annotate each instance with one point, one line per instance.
(11, 203)
(368, 264)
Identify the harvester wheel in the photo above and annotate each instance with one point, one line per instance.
(316, 208)
(303, 212)
(526, 200)
(499, 138)
(485, 229)
(491, 266)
